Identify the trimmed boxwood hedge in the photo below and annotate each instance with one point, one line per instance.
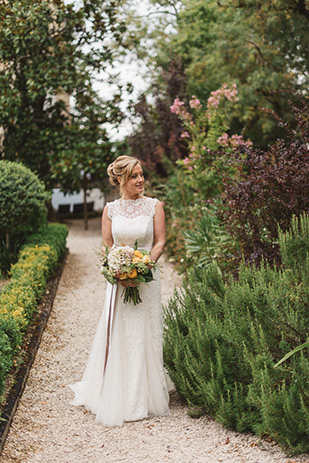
(37, 261)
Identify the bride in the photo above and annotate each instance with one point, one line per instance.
(124, 379)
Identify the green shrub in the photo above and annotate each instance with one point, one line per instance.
(53, 234)
(208, 242)
(195, 235)
(11, 328)
(5, 357)
(9, 254)
(19, 299)
(22, 200)
(222, 341)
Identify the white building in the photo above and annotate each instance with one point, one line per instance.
(74, 202)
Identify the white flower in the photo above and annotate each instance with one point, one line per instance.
(119, 256)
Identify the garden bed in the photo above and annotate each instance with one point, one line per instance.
(25, 303)
(17, 378)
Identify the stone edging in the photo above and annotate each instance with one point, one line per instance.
(32, 346)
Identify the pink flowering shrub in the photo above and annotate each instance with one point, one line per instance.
(199, 181)
(223, 92)
(209, 145)
(233, 142)
(195, 102)
(176, 107)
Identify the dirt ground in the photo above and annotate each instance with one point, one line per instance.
(46, 429)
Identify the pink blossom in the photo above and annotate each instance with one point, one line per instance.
(185, 115)
(224, 91)
(185, 134)
(233, 142)
(190, 167)
(204, 147)
(195, 102)
(223, 140)
(186, 161)
(213, 102)
(176, 106)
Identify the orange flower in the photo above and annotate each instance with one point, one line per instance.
(138, 254)
(136, 259)
(123, 276)
(133, 273)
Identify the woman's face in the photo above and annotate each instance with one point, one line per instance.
(134, 186)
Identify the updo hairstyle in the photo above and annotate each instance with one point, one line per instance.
(122, 167)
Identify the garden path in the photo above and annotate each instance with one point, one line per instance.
(47, 429)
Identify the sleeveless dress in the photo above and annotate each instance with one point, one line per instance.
(134, 385)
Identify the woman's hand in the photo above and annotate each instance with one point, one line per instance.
(128, 283)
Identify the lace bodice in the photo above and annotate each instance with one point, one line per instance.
(131, 208)
(132, 220)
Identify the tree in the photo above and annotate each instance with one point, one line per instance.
(22, 200)
(158, 134)
(49, 49)
(261, 46)
(83, 162)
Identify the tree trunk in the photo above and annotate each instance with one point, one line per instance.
(85, 204)
(7, 238)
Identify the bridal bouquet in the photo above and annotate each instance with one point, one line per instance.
(129, 266)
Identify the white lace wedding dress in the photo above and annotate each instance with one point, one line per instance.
(134, 385)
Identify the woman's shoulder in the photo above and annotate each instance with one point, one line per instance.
(111, 207)
(154, 202)
(151, 204)
(150, 199)
(112, 203)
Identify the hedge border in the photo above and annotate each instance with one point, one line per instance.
(31, 349)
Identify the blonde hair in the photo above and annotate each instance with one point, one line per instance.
(122, 167)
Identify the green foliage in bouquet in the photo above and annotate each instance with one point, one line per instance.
(222, 342)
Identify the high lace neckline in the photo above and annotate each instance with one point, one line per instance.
(132, 208)
(133, 200)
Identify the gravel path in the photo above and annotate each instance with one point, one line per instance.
(46, 429)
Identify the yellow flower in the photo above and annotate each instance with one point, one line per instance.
(123, 276)
(138, 254)
(133, 273)
(136, 259)
(146, 259)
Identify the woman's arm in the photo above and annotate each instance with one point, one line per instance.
(107, 236)
(159, 232)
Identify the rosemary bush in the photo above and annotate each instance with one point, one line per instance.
(222, 341)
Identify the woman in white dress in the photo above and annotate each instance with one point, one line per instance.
(124, 379)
